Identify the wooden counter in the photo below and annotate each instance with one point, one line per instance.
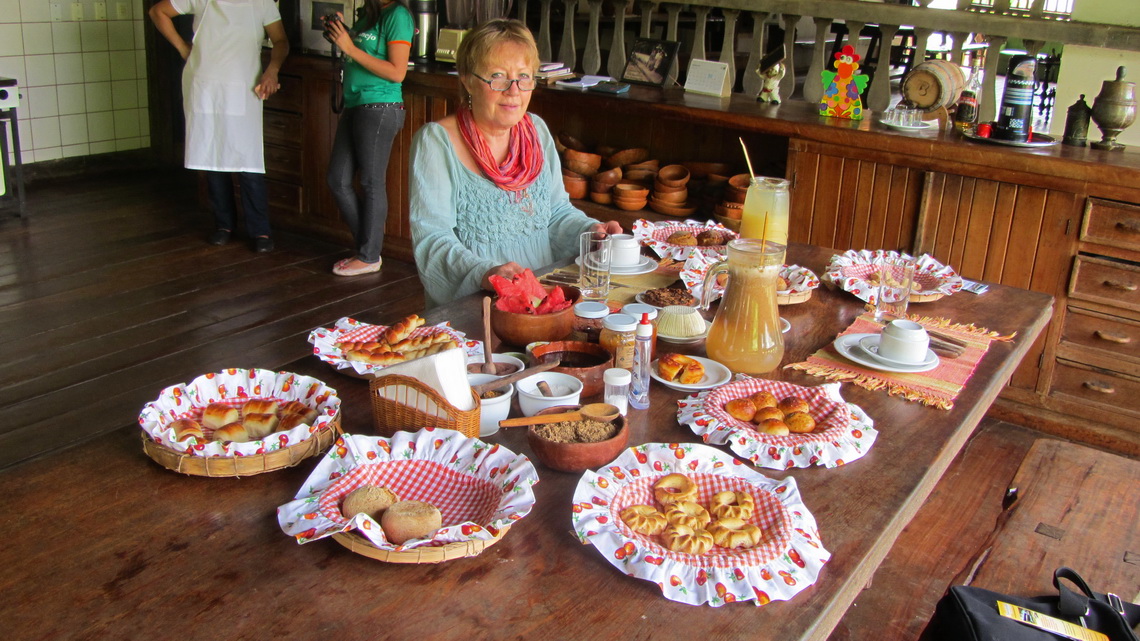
(100, 542)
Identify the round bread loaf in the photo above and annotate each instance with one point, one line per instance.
(407, 520)
(372, 500)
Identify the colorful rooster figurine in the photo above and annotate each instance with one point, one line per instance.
(841, 88)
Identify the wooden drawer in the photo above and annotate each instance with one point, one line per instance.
(1105, 390)
(283, 128)
(1111, 223)
(283, 196)
(1106, 282)
(283, 163)
(1111, 337)
(290, 97)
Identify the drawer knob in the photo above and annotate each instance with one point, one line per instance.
(1115, 284)
(1113, 337)
(1100, 386)
(1131, 225)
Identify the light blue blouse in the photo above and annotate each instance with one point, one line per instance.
(463, 224)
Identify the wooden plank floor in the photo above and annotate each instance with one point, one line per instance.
(108, 293)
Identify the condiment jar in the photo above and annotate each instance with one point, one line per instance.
(636, 310)
(617, 382)
(618, 337)
(588, 316)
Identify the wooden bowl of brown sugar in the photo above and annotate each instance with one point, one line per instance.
(564, 446)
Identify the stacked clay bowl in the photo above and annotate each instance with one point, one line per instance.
(644, 172)
(737, 188)
(575, 184)
(671, 192)
(627, 157)
(630, 196)
(581, 162)
(602, 185)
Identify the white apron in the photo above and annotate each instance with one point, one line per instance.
(223, 114)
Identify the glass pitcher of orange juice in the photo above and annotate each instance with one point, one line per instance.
(765, 213)
(745, 334)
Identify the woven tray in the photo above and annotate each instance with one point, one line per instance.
(394, 414)
(230, 466)
(449, 552)
(793, 298)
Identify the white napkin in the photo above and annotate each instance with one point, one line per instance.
(445, 372)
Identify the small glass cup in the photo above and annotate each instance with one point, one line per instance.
(895, 276)
(594, 254)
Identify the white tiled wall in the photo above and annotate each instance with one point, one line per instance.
(83, 82)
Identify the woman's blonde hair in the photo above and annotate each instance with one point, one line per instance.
(477, 46)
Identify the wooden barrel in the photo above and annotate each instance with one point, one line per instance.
(933, 84)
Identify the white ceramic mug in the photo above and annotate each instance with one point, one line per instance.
(625, 250)
(904, 341)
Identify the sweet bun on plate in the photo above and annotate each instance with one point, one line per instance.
(259, 406)
(687, 513)
(232, 432)
(407, 520)
(218, 414)
(733, 532)
(643, 519)
(800, 422)
(682, 538)
(372, 500)
(671, 488)
(184, 428)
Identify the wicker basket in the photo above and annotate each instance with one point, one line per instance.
(434, 554)
(395, 399)
(230, 466)
(793, 298)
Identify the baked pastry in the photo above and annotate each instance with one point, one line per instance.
(764, 398)
(397, 332)
(669, 366)
(297, 407)
(643, 519)
(692, 373)
(232, 432)
(687, 513)
(372, 500)
(184, 428)
(218, 414)
(765, 413)
(800, 422)
(742, 409)
(791, 404)
(735, 533)
(709, 237)
(781, 284)
(289, 421)
(728, 504)
(258, 426)
(259, 406)
(682, 538)
(672, 488)
(774, 427)
(407, 520)
(683, 238)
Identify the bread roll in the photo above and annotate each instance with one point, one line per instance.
(259, 406)
(401, 330)
(773, 426)
(684, 238)
(289, 421)
(742, 409)
(297, 407)
(800, 422)
(407, 520)
(232, 432)
(791, 404)
(184, 428)
(764, 398)
(258, 426)
(765, 413)
(218, 414)
(372, 500)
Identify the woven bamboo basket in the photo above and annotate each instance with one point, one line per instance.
(438, 554)
(230, 466)
(925, 298)
(792, 298)
(396, 400)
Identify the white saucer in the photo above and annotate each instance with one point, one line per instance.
(645, 266)
(848, 346)
(919, 127)
(870, 344)
(715, 374)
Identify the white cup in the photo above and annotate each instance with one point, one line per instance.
(904, 341)
(492, 410)
(625, 250)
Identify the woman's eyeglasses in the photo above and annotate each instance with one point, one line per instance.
(503, 84)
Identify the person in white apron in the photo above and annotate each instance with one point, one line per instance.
(222, 89)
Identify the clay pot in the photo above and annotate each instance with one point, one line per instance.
(593, 161)
(576, 457)
(629, 191)
(630, 204)
(671, 196)
(673, 175)
(628, 157)
(591, 376)
(575, 187)
(522, 329)
(705, 169)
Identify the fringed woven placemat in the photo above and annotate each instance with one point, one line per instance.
(937, 387)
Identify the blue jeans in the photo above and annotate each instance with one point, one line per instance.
(254, 201)
(362, 146)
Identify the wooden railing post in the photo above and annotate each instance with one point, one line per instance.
(544, 31)
(592, 56)
(699, 48)
(879, 96)
(567, 51)
(788, 84)
(647, 7)
(820, 61)
(728, 45)
(671, 31)
(987, 111)
(618, 54)
(753, 83)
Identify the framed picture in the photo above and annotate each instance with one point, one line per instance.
(649, 61)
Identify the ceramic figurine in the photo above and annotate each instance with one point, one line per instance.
(842, 87)
(772, 77)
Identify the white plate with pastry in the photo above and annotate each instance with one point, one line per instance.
(677, 369)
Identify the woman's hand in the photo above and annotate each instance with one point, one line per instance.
(506, 270)
(608, 227)
(339, 33)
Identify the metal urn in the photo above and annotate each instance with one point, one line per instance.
(1114, 109)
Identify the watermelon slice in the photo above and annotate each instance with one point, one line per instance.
(523, 294)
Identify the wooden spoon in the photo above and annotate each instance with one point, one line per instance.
(489, 366)
(503, 381)
(603, 412)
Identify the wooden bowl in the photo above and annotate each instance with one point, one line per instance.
(737, 188)
(609, 176)
(707, 169)
(660, 188)
(572, 174)
(566, 141)
(727, 211)
(584, 361)
(653, 165)
(605, 151)
(602, 197)
(593, 161)
(600, 187)
(629, 191)
(673, 175)
(628, 157)
(522, 329)
(580, 168)
(674, 197)
(576, 187)
(577, 457)
(672, 209)
(640, 174)
(630, 204)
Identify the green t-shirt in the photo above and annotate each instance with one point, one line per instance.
(362, 87)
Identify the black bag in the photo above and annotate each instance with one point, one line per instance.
(970, 614)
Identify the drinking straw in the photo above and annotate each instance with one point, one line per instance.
(751, 176)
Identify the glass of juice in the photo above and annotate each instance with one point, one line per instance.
(765, 212)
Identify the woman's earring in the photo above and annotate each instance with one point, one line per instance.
(468, 101)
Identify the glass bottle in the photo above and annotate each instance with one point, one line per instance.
(745, 334)
(636, 310)
(966, 113)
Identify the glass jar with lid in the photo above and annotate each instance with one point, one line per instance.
(588, 317)
(618, 336)
(636, 310)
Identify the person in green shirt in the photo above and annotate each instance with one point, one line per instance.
(376, 60)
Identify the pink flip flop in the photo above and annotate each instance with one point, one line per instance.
(340, 268)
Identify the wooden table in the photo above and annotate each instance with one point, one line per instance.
(100, 542)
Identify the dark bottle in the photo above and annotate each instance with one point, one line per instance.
(966, 113)
(1016, 113)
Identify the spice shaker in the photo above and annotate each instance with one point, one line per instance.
(617, 382)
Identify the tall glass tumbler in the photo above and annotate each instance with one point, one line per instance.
(895, 277)
(765, 212)
(594, 254)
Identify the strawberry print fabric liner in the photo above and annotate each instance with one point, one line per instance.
(799, 279)
(937, 387)
(843, 430)
(656, 237)
(324, 341)
(788, 559)
(479, 488)
(234, 387)
(852, 270)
